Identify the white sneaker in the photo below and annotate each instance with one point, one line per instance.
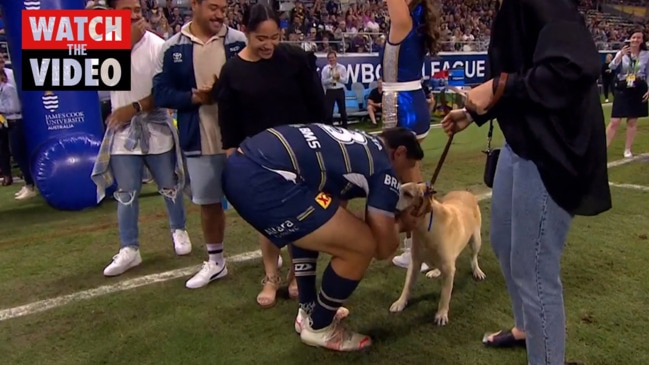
(21, 191)
(208, 273)
(26, 194)
(403, 261)
(335, 337)
(182, 244)
(302, 314)
(606, 101)
(126, 258)
(628, 154)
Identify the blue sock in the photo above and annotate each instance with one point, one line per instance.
(333, 293)
(304, 266)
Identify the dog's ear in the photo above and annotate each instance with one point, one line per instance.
(422, 200)
(407, 196)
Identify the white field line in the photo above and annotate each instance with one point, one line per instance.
(47, 304)
(630, 186)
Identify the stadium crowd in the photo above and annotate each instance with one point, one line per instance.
(358, 26)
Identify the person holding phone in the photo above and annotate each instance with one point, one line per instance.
(632, 64)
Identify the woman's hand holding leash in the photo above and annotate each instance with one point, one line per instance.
(456, 121)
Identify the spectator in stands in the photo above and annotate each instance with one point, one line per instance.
(138, 135)
(415, 27)
(308, 42)
(334, 79)
(553, 165)
(282, 83)
(374, 101)
(185, 75)
(607, 77)
(632, 93)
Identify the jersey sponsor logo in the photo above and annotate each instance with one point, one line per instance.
(310, 138)
(391, 181)
(281, 230)
(323, 200)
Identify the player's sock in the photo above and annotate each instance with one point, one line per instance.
(215, 252)
(304, 266)
(333, 293)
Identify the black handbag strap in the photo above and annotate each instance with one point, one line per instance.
(490, 135)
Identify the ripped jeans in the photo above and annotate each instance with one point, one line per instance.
(128, 171)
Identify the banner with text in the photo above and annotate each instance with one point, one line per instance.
(365, 68)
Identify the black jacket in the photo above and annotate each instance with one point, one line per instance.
(550, 111)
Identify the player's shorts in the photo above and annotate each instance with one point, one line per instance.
(274, 202)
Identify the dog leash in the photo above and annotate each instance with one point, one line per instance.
(442, 158)
(438, 168)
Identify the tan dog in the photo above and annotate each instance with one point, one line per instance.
(456, 221)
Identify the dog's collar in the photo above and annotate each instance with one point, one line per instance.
(430, 191)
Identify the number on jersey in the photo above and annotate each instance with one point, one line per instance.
(343, 135)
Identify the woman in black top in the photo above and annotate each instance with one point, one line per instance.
(267, 85)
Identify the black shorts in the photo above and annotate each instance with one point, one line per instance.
(273, 202)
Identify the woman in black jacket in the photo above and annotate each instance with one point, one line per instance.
(553, 165)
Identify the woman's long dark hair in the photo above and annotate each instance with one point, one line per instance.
(430, 23)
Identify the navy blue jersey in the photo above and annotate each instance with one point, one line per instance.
(343, 163)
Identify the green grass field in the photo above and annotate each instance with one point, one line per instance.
(46, 253)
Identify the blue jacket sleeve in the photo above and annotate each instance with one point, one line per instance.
(165, 94)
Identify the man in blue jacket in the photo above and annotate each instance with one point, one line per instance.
(186, 72)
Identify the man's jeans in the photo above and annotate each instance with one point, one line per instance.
(528, 233)
(128, 171)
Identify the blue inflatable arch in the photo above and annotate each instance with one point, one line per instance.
(64, 128)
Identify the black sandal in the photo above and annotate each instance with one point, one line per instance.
(502, 339)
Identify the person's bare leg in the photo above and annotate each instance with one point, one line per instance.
(371, 113)
(213, 223)
(293, 291)
(631, 131)
(611, 130)
(271, 282)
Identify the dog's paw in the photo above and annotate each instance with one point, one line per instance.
(441, 318)
(434, 273)
(398, 306)
(479, 275)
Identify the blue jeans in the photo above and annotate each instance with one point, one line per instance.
(128, 170)
(528, 234)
